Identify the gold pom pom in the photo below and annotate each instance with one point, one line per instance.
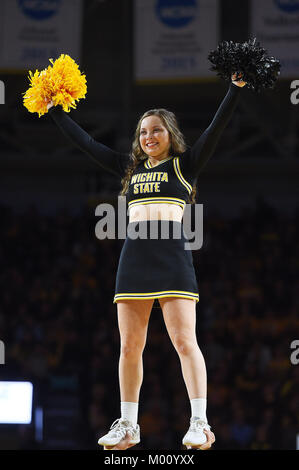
(61, 83)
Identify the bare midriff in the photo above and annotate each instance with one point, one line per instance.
(161, 211)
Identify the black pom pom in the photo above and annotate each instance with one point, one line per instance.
(258, 69)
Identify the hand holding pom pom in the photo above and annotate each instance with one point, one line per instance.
(62, 84)
(50, 105)
(258, 70)
(239, 82)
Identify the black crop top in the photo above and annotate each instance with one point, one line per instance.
(172, 179)
(163, 182)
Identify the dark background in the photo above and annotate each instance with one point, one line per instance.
(57, 318)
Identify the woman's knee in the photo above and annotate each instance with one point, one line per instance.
(180, 319)
(133, 318)
(132, 348)
(184, 346)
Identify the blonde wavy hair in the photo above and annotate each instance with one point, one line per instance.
(177, 146)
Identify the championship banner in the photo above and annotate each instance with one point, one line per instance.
(32, 31)
(275, 23)
(173, 39)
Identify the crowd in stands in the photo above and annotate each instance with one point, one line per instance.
(57, 318)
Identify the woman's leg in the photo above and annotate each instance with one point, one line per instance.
(180, 320)
(133, 318)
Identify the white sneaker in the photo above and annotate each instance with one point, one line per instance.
(195, 435)
(118, 431)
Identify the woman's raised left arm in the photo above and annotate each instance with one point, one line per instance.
(195, 159)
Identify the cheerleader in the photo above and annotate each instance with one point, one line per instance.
(158, 178)
(158, 182)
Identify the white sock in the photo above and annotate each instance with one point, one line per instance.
(198, 408)
(129, 411)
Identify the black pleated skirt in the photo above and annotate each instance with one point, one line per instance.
(156, 264)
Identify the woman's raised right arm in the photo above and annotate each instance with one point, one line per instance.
(108, 159)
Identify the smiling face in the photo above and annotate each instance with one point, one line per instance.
(154, 138)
